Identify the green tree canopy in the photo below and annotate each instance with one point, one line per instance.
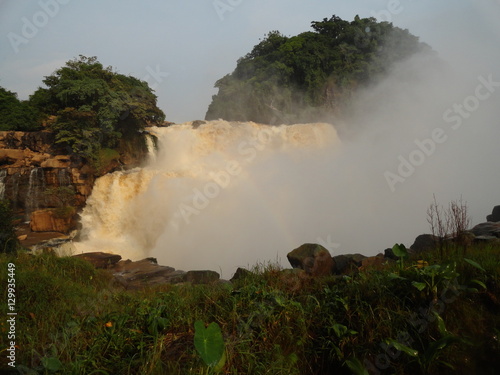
(16, 114)
(94, 106)
(310, 75)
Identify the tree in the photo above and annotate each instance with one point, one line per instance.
(95, 106)
(16, 114)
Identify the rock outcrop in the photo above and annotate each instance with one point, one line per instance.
(495, 215)
(33, 162)
(48, 220)
(424, 242)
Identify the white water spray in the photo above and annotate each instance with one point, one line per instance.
(216, 197)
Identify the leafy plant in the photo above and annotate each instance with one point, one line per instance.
(210, 344)
(401, 252)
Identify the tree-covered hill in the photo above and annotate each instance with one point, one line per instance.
(312, 75)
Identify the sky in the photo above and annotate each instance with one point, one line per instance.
(182, 47)
(420, 132)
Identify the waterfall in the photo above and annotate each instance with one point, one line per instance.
(36, 187)
(150, 143)
(3, 175)
(63, 177)
(215, 197)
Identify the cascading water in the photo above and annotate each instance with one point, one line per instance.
(36, 187)
(216, 197)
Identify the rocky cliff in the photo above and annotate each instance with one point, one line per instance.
(31, 162)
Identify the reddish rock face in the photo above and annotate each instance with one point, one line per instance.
(49, 221)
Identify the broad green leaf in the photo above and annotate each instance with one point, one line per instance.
(400, 251)
(52, 364)
(210, 344)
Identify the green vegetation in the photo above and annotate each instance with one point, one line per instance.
(8, 238)
(426, 316)
(16, 114)
(311, 75)
(90, 108)
(94, 106)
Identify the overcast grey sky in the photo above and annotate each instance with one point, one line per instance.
(181, 47)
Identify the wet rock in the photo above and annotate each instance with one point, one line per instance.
(314, 259)
(196, 124)
(48, 220)
(100, 260)
(145, 273)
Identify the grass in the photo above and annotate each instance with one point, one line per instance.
(438, 317)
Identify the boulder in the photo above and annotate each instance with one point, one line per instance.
(202, 277)
(314, 259)
(487, 229)
(100, 260)
(241, 274)
(145, 273)
(495, 215)
(424, 242)
(389, 254)
(49, 221)
(347, 263)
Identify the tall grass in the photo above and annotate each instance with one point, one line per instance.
(72, 319)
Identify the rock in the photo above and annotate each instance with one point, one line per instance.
(312, 258)
(202, 277)
(48, 221)
(196, 123)
(100, 260)
(495, 215)
(347, 263)
(485, 239)
(145, 273)
(424, 242)
(241, 274)
(373, 263)
(59, 161)
(487, 229)
(389, 254)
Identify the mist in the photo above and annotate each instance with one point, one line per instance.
(360, 184)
